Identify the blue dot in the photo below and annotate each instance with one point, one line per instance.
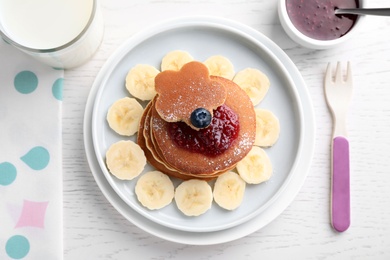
(37, 158)
(26, 82)
(57, 88)
(17, 247)
(7, 173)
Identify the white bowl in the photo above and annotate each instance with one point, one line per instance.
(311, 43)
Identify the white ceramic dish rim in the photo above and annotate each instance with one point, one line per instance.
(308, 42)
(233, 233)
(139, 38)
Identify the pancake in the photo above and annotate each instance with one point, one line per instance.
(159, 156)
(198, 164)
(219, 146)
(145, 143)
(142, 140)
(181, 92)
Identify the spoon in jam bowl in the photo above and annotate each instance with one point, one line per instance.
(364, 11)
(314, 23)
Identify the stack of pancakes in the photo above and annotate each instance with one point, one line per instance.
(162, 152)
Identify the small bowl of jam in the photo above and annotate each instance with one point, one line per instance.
(314, 24)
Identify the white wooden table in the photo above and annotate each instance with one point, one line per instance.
(93, 229)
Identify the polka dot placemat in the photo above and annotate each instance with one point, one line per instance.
(30, 157)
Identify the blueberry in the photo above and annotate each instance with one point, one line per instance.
(200, 118)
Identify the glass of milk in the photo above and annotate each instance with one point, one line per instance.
(61, 33)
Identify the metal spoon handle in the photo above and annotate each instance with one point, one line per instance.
(365, 11)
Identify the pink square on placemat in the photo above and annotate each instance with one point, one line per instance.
(33, 214)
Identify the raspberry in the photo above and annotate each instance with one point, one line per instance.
(212, 140)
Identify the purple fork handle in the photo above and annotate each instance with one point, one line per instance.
(341, 216)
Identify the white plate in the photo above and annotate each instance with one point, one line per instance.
(245, 47)
(202, 40)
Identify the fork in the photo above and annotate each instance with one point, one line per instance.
(338, 93)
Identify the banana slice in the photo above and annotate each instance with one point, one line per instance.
(125, 160)
(220, 66)
(254, 82)
(174, 60)
(124, 116)
(140, 81)
(229, 190)
(154, 190)
(256, 167)
(194, 197)
(267, 128)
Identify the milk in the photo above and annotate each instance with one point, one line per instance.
(61, 33)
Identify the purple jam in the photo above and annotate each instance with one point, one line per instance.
(317, 19)
(212, 140)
